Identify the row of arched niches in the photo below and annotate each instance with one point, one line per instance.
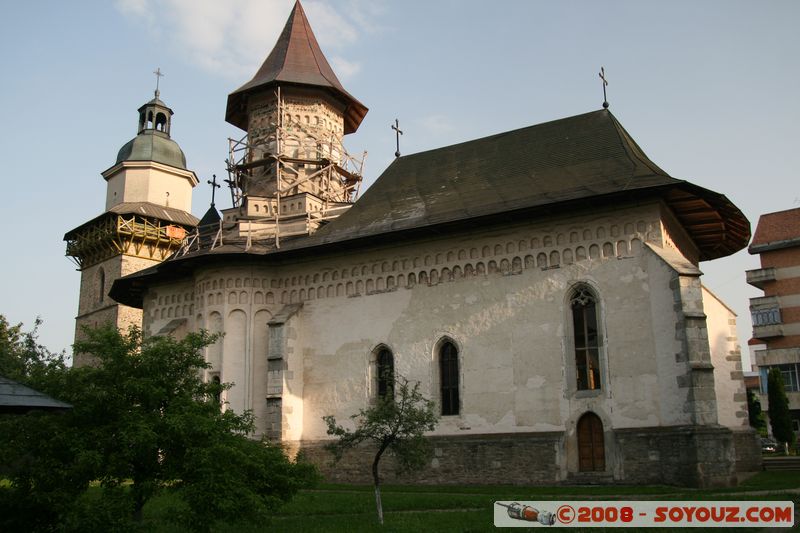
(508, 258)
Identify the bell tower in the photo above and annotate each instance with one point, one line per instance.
(290, 173)
(147, 215)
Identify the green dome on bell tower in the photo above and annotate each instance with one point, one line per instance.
(152, 142)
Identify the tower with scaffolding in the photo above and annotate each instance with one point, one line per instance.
(290, 173)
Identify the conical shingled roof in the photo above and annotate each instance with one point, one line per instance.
(295, 59)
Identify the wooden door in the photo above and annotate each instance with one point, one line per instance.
(591, 445)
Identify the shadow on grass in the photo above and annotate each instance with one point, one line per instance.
(351, 508)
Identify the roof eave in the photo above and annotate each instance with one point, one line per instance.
(236, 108)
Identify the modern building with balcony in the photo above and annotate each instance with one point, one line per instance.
(776, 315)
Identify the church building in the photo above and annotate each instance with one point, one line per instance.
(542, 285)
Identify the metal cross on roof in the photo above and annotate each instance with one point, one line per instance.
(159, 75)
(399, 132)
(602, 75)
(214, 187)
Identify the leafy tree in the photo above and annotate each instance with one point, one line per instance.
(756, 416)
(143, 423)
(396, 422)
(41, 453)
(779, 416)
(22, 358)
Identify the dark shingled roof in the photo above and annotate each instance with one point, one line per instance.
(147, 209)
(17, 398)
(581, 162)
(295, 59)
(577, 158)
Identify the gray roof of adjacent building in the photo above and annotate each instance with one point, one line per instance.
(16, 397)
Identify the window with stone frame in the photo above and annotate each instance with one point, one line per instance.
(217, 391)
(587, 338)
(384, 370)
(448, 379)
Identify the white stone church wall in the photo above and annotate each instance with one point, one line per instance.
(500, 296)
(727, 360)
(509, 328)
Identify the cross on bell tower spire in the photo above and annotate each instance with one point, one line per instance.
(159, 75)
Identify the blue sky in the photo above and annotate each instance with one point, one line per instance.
(708, 89)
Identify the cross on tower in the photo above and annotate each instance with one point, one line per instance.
(214, 187)
(398, 133)
(159, 75)
(602, 75)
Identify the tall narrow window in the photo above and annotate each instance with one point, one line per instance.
(587, 341)
(217, 390)
(385, 372)
(448, 377)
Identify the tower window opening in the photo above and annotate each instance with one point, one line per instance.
(161, 122)
(101, 279)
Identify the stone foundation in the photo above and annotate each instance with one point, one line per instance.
(748, 450)
(511, 459)
(684, 456)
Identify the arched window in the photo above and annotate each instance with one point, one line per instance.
(591, 444)
(217, 390)
(448, 378)
(587, 339)
(384, 369)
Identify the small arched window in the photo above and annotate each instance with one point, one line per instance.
(161, 122)
(217, 390)
(587, 339)
(384, 368)
(448, 378)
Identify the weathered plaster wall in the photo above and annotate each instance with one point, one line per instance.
(727, 360)
(301, 337)
(151, 182)
(516, 371)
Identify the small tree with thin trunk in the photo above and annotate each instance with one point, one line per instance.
(779, 416)
(396, 423)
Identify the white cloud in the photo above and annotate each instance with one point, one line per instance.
(343, 68)
(231, 38)
(137, 8)
(331, 28)
(436, 125)
(366, 13)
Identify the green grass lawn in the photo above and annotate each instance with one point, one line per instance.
(351, 508)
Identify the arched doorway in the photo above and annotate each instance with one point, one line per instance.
(591, 445)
